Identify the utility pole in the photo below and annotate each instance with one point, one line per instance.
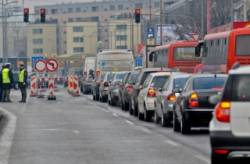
(161, 22)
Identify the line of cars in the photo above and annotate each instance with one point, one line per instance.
(186, 101)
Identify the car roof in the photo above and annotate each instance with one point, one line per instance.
(208, 75)
(180, 75)
(161, 74)
(156, 69)
(240, 70)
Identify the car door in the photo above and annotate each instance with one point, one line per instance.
(163, 96)
(240, 105)
(143, 93)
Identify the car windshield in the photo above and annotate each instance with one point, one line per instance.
(179, 82)
(207, 83)
(119, 76)
(159, 81)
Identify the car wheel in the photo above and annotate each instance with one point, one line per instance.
(176, 124)
(140, 116)
(130, 109)
(147, 114)
(93, 97)
(185, 127)
(165, 121)
(126, 106)
(156, 118)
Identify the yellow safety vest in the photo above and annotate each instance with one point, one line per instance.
(5, 76)
(21, 76)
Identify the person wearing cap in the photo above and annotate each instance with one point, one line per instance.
(7, 80)
(22, 82)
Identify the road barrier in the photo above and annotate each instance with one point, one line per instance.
(51, 87)
(73, 85)
(33, 86)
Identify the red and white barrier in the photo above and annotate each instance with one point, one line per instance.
(51, 88)
(33, 86)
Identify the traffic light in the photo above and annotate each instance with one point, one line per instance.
(43, 15)
(137, 15)
(26, 12)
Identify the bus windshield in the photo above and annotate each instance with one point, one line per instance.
(185, 53)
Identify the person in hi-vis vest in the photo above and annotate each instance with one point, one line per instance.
(7, 80)
(22, 82)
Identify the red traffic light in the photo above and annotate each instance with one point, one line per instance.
(137, 11)
(43, 11)
(26, 10)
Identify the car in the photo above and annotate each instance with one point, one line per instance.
(126, 90)
(114, 92)
(104, 86)
(86, 85)
(147, 95)
(230, 126)
(166, 97)
(143, 74)
(192, 108)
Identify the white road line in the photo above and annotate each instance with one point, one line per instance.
(172, 143)
(204, 159)
(104, 110)
(76, 131)
(129, 122)
(115, 115)
(7, 137)
(144, 129)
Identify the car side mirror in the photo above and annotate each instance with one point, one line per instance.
(214, 99)
(160, 89)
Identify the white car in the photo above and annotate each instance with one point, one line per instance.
(230, 126)
(147, 95)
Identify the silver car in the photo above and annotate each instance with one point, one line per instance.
(166, 98)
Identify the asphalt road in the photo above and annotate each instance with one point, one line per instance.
(80, 131)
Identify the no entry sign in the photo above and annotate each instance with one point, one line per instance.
(51, 65)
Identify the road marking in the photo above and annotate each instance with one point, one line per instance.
(144, 129)
(129, 122)
(104, 110)
(114, 114)
(172, 143)
(76, 131)
(7, 137)
(204, 159)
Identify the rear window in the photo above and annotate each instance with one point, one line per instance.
(185, 53)
(159, 81)
(242, 45)
(201, 83)
(119, 76)
(110, 77)
(144, 76)
(237, 88)
(179, 82)
(133, 77)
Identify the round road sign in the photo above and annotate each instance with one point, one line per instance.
(40, 66)
(51, 65)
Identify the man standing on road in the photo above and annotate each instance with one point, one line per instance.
(7, 80)
(22, 82)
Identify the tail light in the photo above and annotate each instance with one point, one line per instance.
(171, 98)
(129, 88)
(151, 92)
(193, 101)
(222, 111)
(221, 151)
(105, 84)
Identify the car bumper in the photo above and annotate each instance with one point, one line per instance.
(150, 104)
(199, 117)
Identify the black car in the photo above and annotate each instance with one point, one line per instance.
(137, 86)
(192, 108)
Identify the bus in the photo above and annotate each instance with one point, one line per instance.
(114, 61)
(178, 55)
(220, 51)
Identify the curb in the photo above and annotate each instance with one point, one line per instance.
(7, 135)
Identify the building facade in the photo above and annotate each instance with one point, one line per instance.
(82, 38)
(41, 39)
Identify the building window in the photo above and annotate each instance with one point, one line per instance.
(95, 8)
(71, 20)
(37, 41)
(122, 47)
(121, 27)
(54, 11)
(70, 10)
(120, 7)
(78, 49)
(112, 7)
(78, 39)
(37, 31)
(121, 37)
(139, 5)
(38, 51)
(78, 29)
(78, 10)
